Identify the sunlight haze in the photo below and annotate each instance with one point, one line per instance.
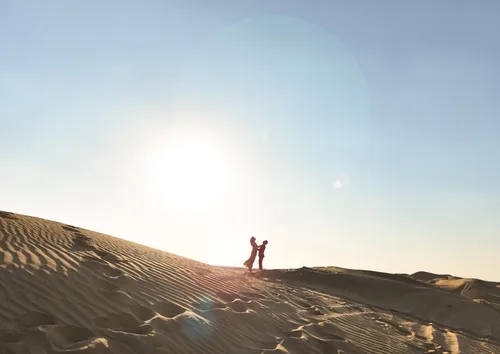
(354, 134)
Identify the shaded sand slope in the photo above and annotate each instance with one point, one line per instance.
(423, 308)
(485, 292)
(472, 288)
(68, 290)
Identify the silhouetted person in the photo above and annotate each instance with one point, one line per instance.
(262, 249)
(249, 262)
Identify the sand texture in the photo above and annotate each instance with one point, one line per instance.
(68, 290)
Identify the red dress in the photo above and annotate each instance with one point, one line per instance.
(249, 262)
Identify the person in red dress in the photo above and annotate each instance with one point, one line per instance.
(249, 262)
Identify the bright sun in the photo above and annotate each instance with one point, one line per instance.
(190, 172)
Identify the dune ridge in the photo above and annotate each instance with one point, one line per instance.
(64, 289)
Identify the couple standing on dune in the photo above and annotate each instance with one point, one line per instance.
(249, 262)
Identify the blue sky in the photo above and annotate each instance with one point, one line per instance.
(360, 134)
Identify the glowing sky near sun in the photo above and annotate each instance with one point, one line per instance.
(357, 136)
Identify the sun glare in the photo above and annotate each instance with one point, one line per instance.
(190, 172)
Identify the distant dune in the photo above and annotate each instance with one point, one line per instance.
(64, 289)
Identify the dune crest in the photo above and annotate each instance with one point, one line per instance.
(64, 289)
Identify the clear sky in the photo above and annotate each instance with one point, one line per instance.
(361, 134)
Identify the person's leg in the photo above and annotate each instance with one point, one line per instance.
(260, 262)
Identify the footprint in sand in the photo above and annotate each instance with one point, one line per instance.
(102, 268)
(324, 331)
(304, 305)
(327, 331)
(253, 295)
(296, 333)
(238, 305)
(208, 304)
(243, 296)
(316, 311)
(51, 338)
(71, 228)
(73, 339)
(69, 334)
(82, 242)
(322, 337)
(142, 312)
(108, 256)
(124, 322)
(168, 309)
(394, 325)
(173, 318)
(91, 258)
(105, 284)
(44, 330)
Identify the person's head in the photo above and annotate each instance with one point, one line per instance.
(265, 242)
(252, 240)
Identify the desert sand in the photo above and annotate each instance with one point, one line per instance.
(64, 289)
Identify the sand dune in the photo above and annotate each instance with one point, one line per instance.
(68, 290)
